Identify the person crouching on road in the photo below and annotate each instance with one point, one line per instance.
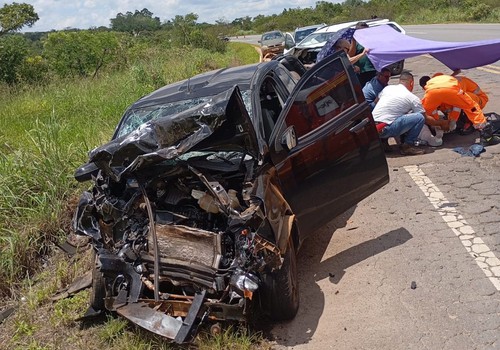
(443, 92)
(469, 86)
(398, 111)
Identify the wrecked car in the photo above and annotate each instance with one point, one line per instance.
(202, 198)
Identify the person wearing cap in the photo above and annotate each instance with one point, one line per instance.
(444, 93)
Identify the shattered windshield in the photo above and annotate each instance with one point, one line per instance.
(134, 118)
(301, 34)
(316, 39)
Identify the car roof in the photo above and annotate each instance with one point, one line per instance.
(310, 40)
(370, 22)
(311, 26)
(202, 85)
(273, 32)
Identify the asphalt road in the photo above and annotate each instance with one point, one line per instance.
(416, 265)
(439, 32)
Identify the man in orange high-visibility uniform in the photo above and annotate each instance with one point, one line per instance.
(443, 91)
(470, 87)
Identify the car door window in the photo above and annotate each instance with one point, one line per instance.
(323, 97)
(289, 42)
(271, 105)
(289, 78)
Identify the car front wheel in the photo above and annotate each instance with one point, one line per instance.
(281, 290)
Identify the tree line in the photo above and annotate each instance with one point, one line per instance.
(39, 57)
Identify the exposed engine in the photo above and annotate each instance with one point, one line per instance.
(203, 238)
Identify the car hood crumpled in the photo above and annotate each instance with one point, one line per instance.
(221, 124)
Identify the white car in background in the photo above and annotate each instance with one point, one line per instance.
(307, 50)
(300, 34)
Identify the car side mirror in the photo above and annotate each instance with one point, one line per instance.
(289, 138)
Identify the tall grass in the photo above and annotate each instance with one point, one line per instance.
(46, 133)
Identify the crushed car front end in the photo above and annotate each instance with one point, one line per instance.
(186, 221)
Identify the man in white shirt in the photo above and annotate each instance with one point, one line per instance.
(398, 111)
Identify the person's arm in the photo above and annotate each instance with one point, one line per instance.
(356, 58)
(430, 103)
(352, 48)
(419, 107)
(444, 124)
(370, 95)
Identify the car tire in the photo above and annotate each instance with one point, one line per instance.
(98, 292)
(281, 290)
(397, 68)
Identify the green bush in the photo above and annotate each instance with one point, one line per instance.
(81, 53)
(201, 39)
(477, 11)
(34, 69)
(13, 50)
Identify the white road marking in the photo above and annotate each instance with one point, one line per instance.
(475, 246)
(495, 70)
(493, 66)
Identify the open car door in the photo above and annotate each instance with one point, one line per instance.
(289, 42)
(325, 146)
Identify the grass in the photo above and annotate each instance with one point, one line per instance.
(45, 134)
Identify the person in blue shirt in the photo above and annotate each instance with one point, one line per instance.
(375, 85)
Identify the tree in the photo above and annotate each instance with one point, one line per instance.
(183, 27)
(330, 10)
(135, 23)
(13, 51)
(81, 53)
(15, 16)
(245, 23)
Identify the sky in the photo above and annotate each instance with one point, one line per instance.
(84, 14)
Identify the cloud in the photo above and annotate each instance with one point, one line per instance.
(84, 14)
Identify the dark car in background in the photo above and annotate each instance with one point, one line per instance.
(209, 186)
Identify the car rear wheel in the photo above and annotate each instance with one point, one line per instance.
(397, 67)
(281, 294)
(98, 292)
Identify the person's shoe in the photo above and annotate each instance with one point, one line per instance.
(409, 150)
(487, 137)
(490, 141)
(385, 145)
